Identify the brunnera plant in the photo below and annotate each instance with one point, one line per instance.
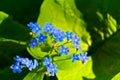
(50, 42)
(95, 24)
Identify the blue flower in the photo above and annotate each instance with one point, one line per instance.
(58, 35)
(52, 69)
(74, 57)
(41, 37)
(49, 28)
(76, 40)
(47, 61)
(34, 27)
(16, 67)
(69, 35)
(33, 43)
(63, 50)
(84, 57)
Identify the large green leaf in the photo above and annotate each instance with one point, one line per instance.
(106, 63)
(63, 14)
(13, 36)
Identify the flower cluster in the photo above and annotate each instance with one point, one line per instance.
(57, 36)
(23, 62)
(51, 68)
(83, 57)
(61, 43)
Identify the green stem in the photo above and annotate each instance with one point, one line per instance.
(15, 41)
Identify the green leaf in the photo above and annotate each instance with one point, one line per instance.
(34, 75)
(68, 70)
(64, 14)
(106, 63)
(2, 16)
(116, 77)
(13, 36)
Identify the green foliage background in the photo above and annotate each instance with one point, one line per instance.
(95, 21)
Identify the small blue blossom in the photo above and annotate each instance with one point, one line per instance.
(52, 69)
(76, 40)
(74, 57)
(58, 35)
(41, 37)
(16, 67)
(84, 57)
(47, 61)
(34, 27)
(49, 28)
(33, 43)
(69, 35)
(63, 50)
